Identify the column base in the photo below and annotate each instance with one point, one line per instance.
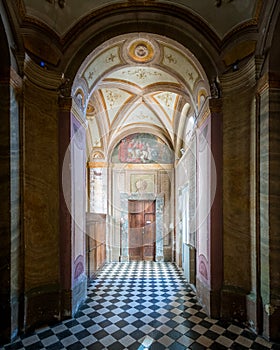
(159, 258)
(271, 325)
(233, 304)
(79, 294)
(42, 306)
(209, 299)
(124, 258)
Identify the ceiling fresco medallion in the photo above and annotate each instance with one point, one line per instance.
(91, 112)
(141, 51)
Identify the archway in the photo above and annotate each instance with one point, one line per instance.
(140, 82)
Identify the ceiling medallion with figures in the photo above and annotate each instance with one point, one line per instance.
(141, 51)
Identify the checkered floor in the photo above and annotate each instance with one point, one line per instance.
(141, 305)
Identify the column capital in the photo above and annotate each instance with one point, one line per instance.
(65, 103)
(215, 105)
(98, 164)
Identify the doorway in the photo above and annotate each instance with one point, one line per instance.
(141, 219)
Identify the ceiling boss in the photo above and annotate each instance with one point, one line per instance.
(141, 51)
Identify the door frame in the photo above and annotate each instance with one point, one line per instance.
(159, 206)
(142, 230)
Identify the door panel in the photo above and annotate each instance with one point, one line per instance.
(95, 242)
(149, 237)
(135, 236)
(141, 230)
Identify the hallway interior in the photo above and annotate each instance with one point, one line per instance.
(141, 305)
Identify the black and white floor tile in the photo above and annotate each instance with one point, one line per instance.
(142, 305)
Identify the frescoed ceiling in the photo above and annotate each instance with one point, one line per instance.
(140, 82)
(137, 81)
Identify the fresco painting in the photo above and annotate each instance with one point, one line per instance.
(142, 148)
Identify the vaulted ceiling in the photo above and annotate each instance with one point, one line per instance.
(222, 19)
(139, 82)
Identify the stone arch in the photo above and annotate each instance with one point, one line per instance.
(71, 63)
(203, 46)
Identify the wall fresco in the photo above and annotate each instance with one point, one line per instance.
(142, 148)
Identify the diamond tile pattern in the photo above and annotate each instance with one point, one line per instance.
(142, 305)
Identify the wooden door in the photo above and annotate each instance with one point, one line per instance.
(141, 230)
(95, 242)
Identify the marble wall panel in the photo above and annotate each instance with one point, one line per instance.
(264, 195)
(274, 183)
(185, 174)
(41, 201)
(269, 209)
(16, 262)
(236, 186)
(5, 202)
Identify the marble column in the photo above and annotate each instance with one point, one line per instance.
(40, 195)
(269, 177)
(65, 227)
(159, 228)
(238, 91)
(10, 255)
(124, 255)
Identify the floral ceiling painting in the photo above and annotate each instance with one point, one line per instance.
(142, 148)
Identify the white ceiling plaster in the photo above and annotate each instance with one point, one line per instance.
(135, 96)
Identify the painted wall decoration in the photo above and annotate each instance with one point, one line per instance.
(142, 148)
(142, 183)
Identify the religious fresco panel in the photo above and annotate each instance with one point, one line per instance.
(142, 148)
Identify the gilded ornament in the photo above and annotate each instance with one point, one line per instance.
(141, 51)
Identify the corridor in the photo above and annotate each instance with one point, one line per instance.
(141, 305)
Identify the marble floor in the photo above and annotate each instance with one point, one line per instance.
(141, 305)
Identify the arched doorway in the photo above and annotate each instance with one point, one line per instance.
(137, 84)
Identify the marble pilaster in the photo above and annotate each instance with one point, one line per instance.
(10, 257)
(210, 235)
(238, 91)
(159, 228)
(269, 177)
(40, 195)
